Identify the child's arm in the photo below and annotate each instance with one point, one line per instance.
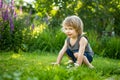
(83, 42)
(61, 53)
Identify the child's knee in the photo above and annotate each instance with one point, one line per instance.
(76, 55)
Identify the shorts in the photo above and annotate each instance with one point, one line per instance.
(71, 55)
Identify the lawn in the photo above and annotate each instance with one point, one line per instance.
(36, 66)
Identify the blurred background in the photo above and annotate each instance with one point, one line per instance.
(35, 25)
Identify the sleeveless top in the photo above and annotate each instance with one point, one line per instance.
(76, 46)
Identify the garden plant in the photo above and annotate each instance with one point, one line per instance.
(31, 36)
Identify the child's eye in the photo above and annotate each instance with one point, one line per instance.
(65, 28)
(70, 28)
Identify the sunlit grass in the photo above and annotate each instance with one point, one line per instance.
(37, 66)
(15, 55)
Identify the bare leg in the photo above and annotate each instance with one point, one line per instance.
(84, 60)
(70, 60)
(79, 59)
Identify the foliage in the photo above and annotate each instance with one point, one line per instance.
(42, 31)
(111, 46)
(20, 67)
(104, 46)
(7, 29)
(25, 6)
(95, 14)
(47, 40)
(93, 39)
(12, 26)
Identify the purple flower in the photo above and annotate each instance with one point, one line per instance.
(12, 5)
(5, 6)
(1, 3)
(5, 15)
(15, 15)
(12, 2)
(11, 24)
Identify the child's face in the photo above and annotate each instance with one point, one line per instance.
(70, 31)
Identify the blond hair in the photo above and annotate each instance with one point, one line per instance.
(75, 22)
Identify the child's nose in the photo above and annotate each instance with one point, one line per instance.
(67, 31)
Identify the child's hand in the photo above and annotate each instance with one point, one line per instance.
(55, 64)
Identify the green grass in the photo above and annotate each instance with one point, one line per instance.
(36, 66)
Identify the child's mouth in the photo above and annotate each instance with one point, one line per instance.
(69, 34)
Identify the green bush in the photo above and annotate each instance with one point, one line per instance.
(93, 40)
(112, 48)
(48, 40)
(104, 46)
(14, 40)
